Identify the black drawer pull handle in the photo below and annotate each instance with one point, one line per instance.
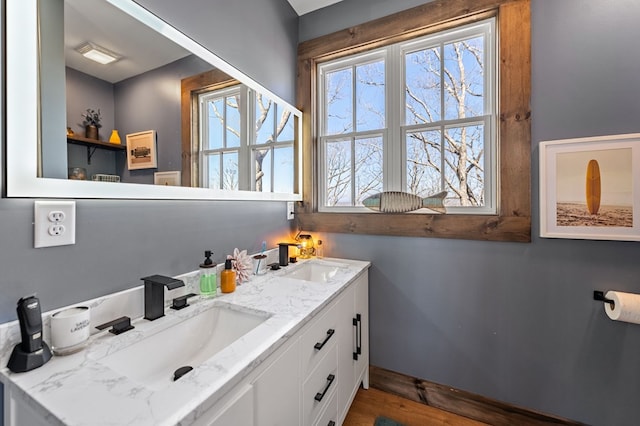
(331, 423)
(319, 345)
(357, 323)
(330, 379)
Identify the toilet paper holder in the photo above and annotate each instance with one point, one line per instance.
(599, 296)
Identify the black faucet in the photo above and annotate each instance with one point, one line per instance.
(154, 294)
(283, 254)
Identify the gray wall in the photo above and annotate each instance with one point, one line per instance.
(117, 242)
(257, 37)
(87, 92)
(151, 101)
(517, 322)
(52, 90)
(84, 91)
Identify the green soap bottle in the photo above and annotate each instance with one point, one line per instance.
(208, 281)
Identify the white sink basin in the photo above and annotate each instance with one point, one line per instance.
(316, 270)
(153, 360)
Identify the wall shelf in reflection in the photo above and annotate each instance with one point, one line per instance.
(93, 144)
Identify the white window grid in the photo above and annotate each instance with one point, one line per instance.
(247, 146)
(394, 148)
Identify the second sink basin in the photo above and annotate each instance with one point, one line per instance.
(153, 360)
(316, 270)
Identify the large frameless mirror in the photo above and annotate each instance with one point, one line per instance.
(163, 118)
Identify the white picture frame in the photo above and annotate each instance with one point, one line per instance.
(589, 188)
(172, 178)
(142, 151)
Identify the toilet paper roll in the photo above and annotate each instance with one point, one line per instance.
(626, 306)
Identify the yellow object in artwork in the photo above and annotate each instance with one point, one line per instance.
(593, 189)
(115, 137)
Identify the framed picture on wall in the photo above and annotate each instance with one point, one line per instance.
(173, 178)
(589, 188)
(142, 152)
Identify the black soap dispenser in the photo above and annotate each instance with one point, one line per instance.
(32, 352)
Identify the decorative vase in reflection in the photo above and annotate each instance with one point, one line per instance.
(115, 137)
(91, 132)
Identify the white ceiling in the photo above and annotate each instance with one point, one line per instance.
(305, 6)
(99, 22)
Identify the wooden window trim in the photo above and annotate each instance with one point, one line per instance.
(513, 221)
(191, 87)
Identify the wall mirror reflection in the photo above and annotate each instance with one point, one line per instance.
(109, 68)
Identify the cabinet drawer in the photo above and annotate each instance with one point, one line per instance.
(320, 386)
(330, 413)
(318, 339)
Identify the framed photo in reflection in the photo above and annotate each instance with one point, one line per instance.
(142, 151)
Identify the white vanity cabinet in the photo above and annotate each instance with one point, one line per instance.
(309, 379)
(312, 379)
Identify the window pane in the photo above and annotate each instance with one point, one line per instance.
(212, 178)
(264, 119)
(422, 79)
(370, 93)
(262, 159)
(338, 172)
(424, 163)
(215, 121)
(233, 121)
(464, 170)
(339, 102)
(230, 170)
(285, 125)
(283, 169)
(368, 165)
(464, 78)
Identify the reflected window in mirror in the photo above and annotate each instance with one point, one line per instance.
(221, 138)
(242, 139)
(272, 152)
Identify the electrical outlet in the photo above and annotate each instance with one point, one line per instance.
(55, 223)
(56, 230)
(290, 210)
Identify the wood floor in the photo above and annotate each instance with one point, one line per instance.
(371, 403)
(436, 404)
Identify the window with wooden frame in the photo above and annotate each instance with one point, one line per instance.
(234, 138)
(501, 207)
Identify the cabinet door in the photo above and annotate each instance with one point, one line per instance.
(346, 349)
(277, 389)
(238, 411)
(362, 309)
(353, 345)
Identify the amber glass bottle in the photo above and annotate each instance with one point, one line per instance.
(228, 278)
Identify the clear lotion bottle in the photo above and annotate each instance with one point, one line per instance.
(208, 281)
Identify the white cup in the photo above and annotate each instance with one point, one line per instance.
(70, 330)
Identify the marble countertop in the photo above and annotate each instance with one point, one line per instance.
(78, 390)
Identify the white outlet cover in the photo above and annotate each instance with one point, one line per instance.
(42, 223)
(290, 210)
